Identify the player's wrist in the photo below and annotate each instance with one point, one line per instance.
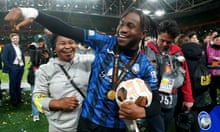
(29, 12)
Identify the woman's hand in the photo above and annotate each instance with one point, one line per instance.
(66, 104)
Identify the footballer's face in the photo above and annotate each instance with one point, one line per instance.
(129, 32)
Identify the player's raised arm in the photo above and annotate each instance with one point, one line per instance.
(16, 14)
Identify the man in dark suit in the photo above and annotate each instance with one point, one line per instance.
(13, 59)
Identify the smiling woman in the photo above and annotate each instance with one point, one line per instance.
(65, 48)
(61, 84)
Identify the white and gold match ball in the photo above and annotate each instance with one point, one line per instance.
(134, 90)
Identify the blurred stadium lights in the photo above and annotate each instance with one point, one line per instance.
(147, 12)
(106, 7)
(159, 12)
(99, 7)
(153, 0)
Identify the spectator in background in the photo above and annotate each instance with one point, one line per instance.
(158, 54)
(38, 55)
(41, 54)
(207, 39)
(213, 34)
(213, 56)
(181, 39)
(47, 36)
(206, 42)
(13, 59)
(193, 37)
(54, 94)
(193, 53)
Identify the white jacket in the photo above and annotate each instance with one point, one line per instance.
(52, 83)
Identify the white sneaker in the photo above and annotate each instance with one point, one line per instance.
(36, 118)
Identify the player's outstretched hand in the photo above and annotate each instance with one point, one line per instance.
(14, 15)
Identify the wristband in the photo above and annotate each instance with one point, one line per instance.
(29, 12)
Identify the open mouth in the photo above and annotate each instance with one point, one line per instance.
(67, 52)
(122, 37)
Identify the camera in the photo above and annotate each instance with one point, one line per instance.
(186, 119)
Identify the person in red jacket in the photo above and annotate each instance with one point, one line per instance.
(167, 56)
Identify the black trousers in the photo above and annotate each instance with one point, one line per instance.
(155, 123)
(15, 77)
(87, 126)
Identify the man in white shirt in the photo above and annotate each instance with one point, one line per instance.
(13, 59)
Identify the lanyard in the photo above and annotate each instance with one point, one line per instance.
(116, 80)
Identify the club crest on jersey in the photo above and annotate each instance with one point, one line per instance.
(204, 120)
(91, 33)
(135, 68)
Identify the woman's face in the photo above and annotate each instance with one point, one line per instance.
(65, 48)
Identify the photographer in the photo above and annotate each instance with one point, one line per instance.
(38, 55)
(38, 52)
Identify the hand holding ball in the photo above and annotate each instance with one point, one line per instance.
(134, 90)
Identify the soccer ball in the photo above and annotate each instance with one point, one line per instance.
(134, 90)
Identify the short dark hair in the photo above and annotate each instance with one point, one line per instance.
(170, 27)
(146, 22)
(13, 34)
(191, 34)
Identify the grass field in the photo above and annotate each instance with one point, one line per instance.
(19, 119)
